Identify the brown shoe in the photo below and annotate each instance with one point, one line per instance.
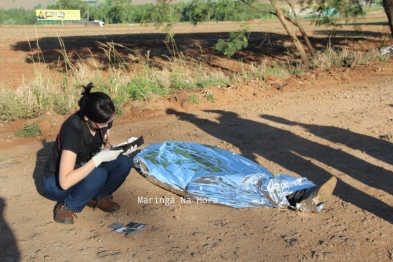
(321, 193)
(63, 215)
(313, 199)
(105, 204)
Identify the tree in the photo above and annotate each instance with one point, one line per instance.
(161, 13)
(70, 5)
(117, 9)
(17, 16)
(295, 40)
(327, 12)
(388, 6)
(347, 10)
(285, 20)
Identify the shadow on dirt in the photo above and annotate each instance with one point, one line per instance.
(38, 174)
(139, 50)
(8, 248)
(359, 34)
(306, 157)
(369, 23)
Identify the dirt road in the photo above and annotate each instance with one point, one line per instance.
(315, 132)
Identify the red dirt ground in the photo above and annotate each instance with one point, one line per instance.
(323, 123)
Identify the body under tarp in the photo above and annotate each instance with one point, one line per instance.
(197, 171)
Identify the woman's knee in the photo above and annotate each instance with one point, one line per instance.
(52, 189)
(98, 176)
(125, 162)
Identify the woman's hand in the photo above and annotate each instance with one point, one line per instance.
(106, 156)
(130, 150)
(133, 148)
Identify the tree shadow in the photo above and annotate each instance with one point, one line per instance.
(302, 156)
(8, 246)
(38, 173)
(375, 147)
(369, 23)
(139, 50)
(358, 169)
(359, 34)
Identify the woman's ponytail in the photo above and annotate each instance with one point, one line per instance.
(86, 92)
(97, 106)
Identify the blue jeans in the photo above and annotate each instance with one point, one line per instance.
(102, 181)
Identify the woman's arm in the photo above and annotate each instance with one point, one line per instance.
(68, 176)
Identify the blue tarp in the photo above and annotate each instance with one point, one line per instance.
(218, 176)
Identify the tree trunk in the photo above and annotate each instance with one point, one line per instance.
(305, 37)
(388, 6)
(295, 22)
(295, 40)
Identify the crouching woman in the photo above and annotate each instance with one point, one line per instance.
(78, 171)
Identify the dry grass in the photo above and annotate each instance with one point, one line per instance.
(136, 76)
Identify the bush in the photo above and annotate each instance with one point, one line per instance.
(30, 130)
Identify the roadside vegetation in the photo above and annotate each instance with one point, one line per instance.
(142, 80)
(122, 12)
(187, 11)
(145, 82)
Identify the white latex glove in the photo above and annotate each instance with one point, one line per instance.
(133, 148)
(106, 156)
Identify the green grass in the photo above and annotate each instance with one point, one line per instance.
(194, 99)
(131, 81)
(210, 97)
(30, 130)
(7, 159)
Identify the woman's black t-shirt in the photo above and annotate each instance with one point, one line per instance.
(75, 136)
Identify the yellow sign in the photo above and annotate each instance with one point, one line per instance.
(74, 15)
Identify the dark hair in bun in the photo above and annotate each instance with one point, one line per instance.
(97, 106)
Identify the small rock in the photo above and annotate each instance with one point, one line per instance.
(103, 253)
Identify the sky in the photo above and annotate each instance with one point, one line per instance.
(30, 4)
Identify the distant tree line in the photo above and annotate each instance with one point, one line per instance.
(17, 16)
(179, 12)
(118, 12)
